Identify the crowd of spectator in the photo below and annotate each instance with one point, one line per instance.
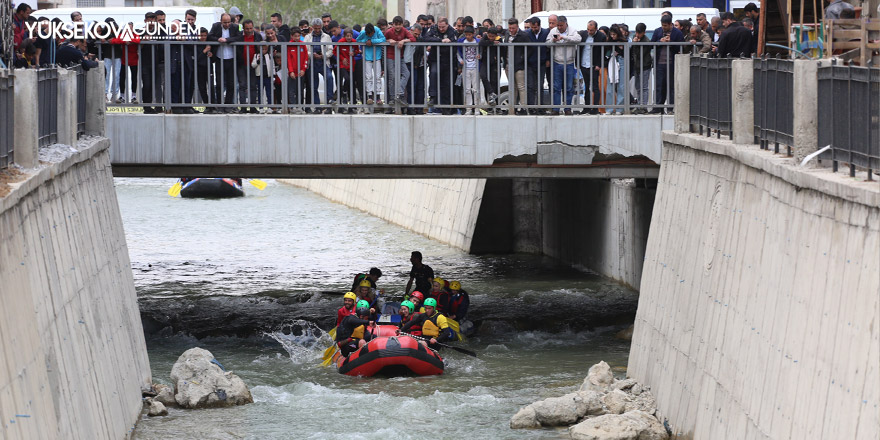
(374, 66)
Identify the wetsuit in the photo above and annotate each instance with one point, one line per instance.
(415, 330)
(349, 332)
(423, 276)
(434, 326)
(460, 304)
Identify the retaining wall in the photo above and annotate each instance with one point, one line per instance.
(759, 313)
(445, 210)
(598, 224)
(72, 352)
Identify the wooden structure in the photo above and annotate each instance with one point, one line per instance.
(853, 39)
(779, 19)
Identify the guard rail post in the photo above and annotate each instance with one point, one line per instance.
(743, 101)
(27, 131)
(67, 106)
(682, 93)
(96, 107)
(806, 112)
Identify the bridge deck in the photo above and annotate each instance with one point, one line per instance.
(385, 146)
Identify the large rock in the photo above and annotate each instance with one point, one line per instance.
(201, 383)
(599, 378)
(165, 395)
(525, 418)
(568, 409)
(634, 425)
(616, 401)
(643, 402)
(155, 408)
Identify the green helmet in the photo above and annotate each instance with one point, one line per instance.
(362, 308)
(431, 302)
(408, 304)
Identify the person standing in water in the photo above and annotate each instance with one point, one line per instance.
(421, 273)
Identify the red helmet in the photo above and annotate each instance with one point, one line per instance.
(418, 295)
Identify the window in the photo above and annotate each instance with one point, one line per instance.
(89, 3)
(136, 3)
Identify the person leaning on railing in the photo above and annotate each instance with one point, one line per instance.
(72, 52)
(641, 63)
(700, 37)
(563, 38)
(664, 62)
(736, 41)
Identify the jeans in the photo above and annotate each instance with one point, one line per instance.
(643, 85)
(112, 67)
(563, 82)
(294, 85)
(323, 69)
(535, 79)
(267, 86)
(248, 85)
(416, 87)
(396, 80)
(615, 91)
(664, 74)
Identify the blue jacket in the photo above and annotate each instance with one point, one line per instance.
(372, 53)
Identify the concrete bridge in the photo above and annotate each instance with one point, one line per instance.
(385, 146)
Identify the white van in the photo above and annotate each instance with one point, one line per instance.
(205, 17)
(579, 18)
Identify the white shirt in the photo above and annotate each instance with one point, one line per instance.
(225, 49)
(587, 55)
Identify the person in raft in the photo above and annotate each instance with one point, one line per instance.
(355, 330)
(440, 292)
(366, 293)
(407, 314)
(433, 324)
(347, 307)
(417, 299)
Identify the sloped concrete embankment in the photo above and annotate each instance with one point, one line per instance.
(759, 312)
(72, 353)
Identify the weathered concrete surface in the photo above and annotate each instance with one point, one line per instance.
(596, 224)
(96, 109)
(760, 297)
(27, 130)
(443, 209)
(743, 101)
(682, 93)
(158, 143)
(72, 352)
(805, 113)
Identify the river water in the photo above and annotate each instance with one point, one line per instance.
(284, 242)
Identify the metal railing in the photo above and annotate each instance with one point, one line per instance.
(80, 99)
(178, 76)
(7, 115)
(47, 109)
(774, 103)
(710, 95)
(849, 105)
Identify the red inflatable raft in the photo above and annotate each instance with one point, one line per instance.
(390, 355)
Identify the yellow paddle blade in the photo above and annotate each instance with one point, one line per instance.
(329, 359)
(332, 333)
(174, 191)
(329, 351)
(258, 183)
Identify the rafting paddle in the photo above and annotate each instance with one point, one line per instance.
(174, 191)
(258, 183)
(458, 349)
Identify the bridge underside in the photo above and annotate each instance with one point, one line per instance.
(385, 146)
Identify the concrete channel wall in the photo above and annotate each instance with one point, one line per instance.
(759, 313)
(595, 224)
(445, 210)
(73, 358)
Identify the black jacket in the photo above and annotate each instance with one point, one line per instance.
(736, 41)
(446, 52)
(544, 51)
(519, 52)
(491, 55)
(347, 326)
(597, 50)
(283, 33)
(68, 55)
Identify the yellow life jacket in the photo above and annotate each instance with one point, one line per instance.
(358, 332)
(434, 325)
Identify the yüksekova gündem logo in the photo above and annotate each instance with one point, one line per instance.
(103, 31)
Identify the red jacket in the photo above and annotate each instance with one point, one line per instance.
(342, 313)
(130, 55)
(397, 36)
(297, 59)
(345, 54)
